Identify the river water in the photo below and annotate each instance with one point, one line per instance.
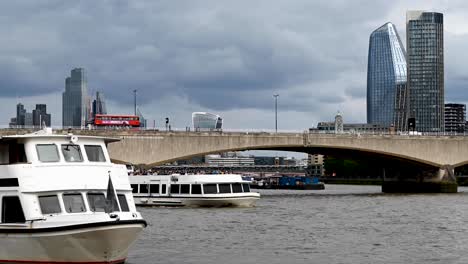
(342, 224)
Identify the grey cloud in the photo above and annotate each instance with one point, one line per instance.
(216, 55)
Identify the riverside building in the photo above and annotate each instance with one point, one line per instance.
(386, 78)
(425, 46)
(455, 118)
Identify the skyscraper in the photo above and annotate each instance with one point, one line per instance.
(425, 44)
(386, 78)
(99, 106)
(75, 102)
(20, 115)
(40, 116)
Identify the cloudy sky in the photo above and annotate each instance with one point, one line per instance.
(225, 57)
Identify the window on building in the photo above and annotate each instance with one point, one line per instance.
(236, 188)
(72, 153)
(154, 188)
(97, 202)
(47, 153)
(225, 188)
(185, 188)
(210, 188)
(196, 189)
(73, 203)
(12, 211)
(49, 204)
(123, 202)
(95, 153)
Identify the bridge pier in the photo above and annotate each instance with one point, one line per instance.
(441, 180)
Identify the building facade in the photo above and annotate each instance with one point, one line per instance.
(425, 46)
(206, 121)
(99, 105)
(40, 116)
(386, 78)
(75, 101)
(455, 118)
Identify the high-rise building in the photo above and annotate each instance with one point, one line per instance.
(40, 116)
(455, 118)
(75, 102)
(425, 46)
(99, 106)
(20, 115)
(386, 78)
(206, 121)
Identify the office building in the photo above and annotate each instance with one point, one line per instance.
(40, 116)
(206, 121)
(228, 160)
(386, 78)
(99, 106)
(75, 101)
(425, 58)
(455, 118)
(20, 115)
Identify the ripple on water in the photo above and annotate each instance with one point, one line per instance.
(342, 224)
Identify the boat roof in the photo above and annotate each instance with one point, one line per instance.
(56, 136)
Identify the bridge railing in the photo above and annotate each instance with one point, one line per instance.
(26, 129)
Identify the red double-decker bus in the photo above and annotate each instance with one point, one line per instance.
(117, 120)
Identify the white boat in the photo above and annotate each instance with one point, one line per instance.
(213, 190)
(63, 201)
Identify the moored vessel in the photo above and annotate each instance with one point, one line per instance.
(208, 190)
(63, 201)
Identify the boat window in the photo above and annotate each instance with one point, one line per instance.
(225, 188)
(175, 188)
(154, 188)
(47, 152)
(12, 211)
(163, 189)
(16, 153)
(236, 188)
(185, 188)
(210, 188)
(144, 188)
(95, 153)
(134, 188)
(123, 203)
(196, 189)
(49, 204)
(72, 153)
(73, 203)
(246, 187)
(97, 202)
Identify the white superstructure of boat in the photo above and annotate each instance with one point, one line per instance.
(213, 190)
(63, 201)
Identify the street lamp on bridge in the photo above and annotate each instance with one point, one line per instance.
(276, 112)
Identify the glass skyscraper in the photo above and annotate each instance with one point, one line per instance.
(425, 43)
(75, 106)
(386, 79)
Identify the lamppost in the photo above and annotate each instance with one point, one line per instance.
(134, 101)
(276, 111)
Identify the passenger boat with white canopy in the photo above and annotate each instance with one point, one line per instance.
(208, 190)
(63, 201)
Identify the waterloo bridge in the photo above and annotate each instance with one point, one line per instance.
(410, 162)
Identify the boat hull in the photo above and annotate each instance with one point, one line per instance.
(247, 201)
(85, 243)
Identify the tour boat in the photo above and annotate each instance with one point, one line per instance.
(213, 190)
(63, 201)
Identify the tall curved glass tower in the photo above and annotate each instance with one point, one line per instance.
(386, 78)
